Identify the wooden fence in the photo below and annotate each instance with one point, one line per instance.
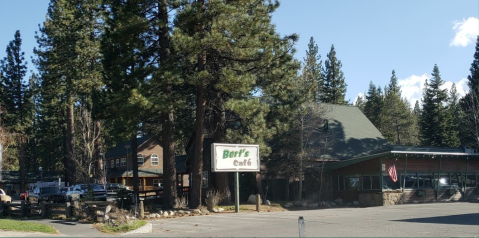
(43, 209)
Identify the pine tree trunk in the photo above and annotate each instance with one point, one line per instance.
(134, 163)
(221, 178)
(100, 165)
(70, 158)
(197, 168)
(21, 161)
(169, 164)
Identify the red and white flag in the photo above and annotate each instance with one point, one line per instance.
(392, 173)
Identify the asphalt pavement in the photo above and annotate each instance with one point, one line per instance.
(457, 219)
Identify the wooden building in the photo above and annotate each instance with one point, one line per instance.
(357, 163)
(149, 161)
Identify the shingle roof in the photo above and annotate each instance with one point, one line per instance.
(352, 133)
(119, 150)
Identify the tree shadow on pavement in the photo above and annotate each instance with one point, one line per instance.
(462, 219)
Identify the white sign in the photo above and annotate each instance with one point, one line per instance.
(234, 158)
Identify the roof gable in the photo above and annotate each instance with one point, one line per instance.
(352, 134)
(120, 151)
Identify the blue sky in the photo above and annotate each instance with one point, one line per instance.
(371, 37)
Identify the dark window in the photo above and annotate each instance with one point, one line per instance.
(410, 182)
(353, 182)
(389, 184)
(340, 182)
(471, 180)
(375, 182)
(367, 182)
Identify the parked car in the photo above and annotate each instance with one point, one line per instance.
(97, 192)
(51, 194)
(115, 187)
(70, 194)
(4, 197)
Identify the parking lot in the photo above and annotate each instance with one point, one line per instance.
(459, 219)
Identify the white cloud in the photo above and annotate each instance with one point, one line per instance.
(356, 98)
(412, 87)
(466, 32)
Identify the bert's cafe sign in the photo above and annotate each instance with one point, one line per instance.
(235, 158)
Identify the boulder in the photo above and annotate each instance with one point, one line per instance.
(165, 214)
(251, 199)
(332, 203)
(215, 210)
(339, 201)
(313, 205)
(221, 209)
(297, 204)
(267, 202)
(355, 202)
(289, 204)
(304, 204)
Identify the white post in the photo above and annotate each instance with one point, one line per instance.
(236, 192)
(302, 232)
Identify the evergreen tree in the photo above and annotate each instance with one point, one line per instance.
(470, 105)
(395, 113)
(360, 103)
(227, 68)
(16, 99)
(312, 72)
(334, 90)
(127, 70)
(373, 105)
(474, 76)
(436, 120)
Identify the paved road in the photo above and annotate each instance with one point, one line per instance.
(457, 219)
(412, 220)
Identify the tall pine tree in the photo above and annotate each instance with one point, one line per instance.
(436, 120)
(16, 99)
(334, 90)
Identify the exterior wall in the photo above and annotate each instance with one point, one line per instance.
(433, 166)
(365, 167)
(148, 148)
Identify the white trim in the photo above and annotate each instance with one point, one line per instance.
(157, 160)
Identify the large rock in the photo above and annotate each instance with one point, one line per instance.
(339, 201)
(304, 204)
(355, 202)
(288, 204)
(313, 205)
(251, 199)
(221, 209)
(298, 204)
(266, 202)
(332, 203)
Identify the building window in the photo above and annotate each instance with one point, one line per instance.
(340, 182)
(117, 162)
(371, 182)
(353, 182)
(471, 180)
(123, 161)
(141, 159)
(156, 183)
(204, 176)
(155, 161)
(112, 163)
(389, 184)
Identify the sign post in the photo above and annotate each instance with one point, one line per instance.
(235, 158)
